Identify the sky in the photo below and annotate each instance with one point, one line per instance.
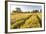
(26, 7)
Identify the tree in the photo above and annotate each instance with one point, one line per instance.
(35, 11)
(18, 9)
(40, 10)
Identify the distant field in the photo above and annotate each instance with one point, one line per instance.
(26, 20)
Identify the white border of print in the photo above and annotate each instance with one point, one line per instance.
(29, 29)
